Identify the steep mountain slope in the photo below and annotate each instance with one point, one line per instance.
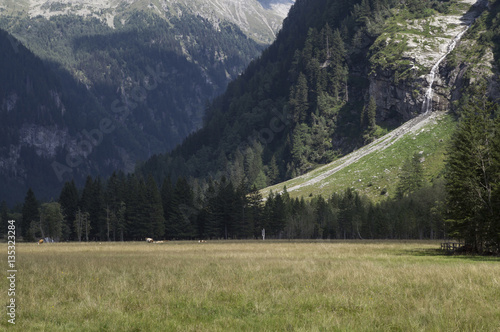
(259, 20)
(470, 68)
(37, 106)
(340, 75)
(150, 72)
(375, 168)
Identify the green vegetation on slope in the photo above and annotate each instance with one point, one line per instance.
(293, 108)
(376, 174)
(301, 104)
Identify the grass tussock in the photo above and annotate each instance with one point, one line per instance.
(253, 286)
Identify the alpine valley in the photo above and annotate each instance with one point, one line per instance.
(210, 171)
(363, 119)
(89, 87)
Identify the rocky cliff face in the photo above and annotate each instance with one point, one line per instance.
(399, 84)
(399, 101)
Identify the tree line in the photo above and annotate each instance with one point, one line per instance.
(127, 207)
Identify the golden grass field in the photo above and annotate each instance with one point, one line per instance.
(252, 286)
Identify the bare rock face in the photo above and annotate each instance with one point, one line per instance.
(396, 100)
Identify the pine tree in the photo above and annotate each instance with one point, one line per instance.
(52, 220)
(30, 213)
(69, 205)
(411, 177)
(167, 199)
(4, 217)
(471, 178)
(155, 209)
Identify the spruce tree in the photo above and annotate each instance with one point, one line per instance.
(181, 223)
(69, 205)
(30, 213)
(4, 217)
(368, 120)
(411, 176)
(155, 209)
(278, 216)
(139, 227)
(496, 184)
(254, 212)
(471, 178)
(273, 172)
(167, 199)
(52, 220)
(299, 103)
(87, 199)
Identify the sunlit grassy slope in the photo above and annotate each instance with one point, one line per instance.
(252, 286)
(377, 172)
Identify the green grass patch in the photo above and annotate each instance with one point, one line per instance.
(253, 286)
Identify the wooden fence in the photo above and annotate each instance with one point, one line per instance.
(450, 247)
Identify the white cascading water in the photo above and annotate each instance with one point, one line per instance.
(427, 105)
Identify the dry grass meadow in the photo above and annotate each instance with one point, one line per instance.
(252, 286)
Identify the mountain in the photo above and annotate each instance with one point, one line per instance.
(462, 52)
(258, 19)
(339, 75)
(150, 67)
(37, 107)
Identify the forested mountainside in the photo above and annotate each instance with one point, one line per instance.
(326, 86)
(150, 71)
(340, 74)
(465, 65)
(37, 109)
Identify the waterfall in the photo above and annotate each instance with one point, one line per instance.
(427, 105)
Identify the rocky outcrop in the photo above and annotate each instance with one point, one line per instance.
(400, 87)
(399, 101)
